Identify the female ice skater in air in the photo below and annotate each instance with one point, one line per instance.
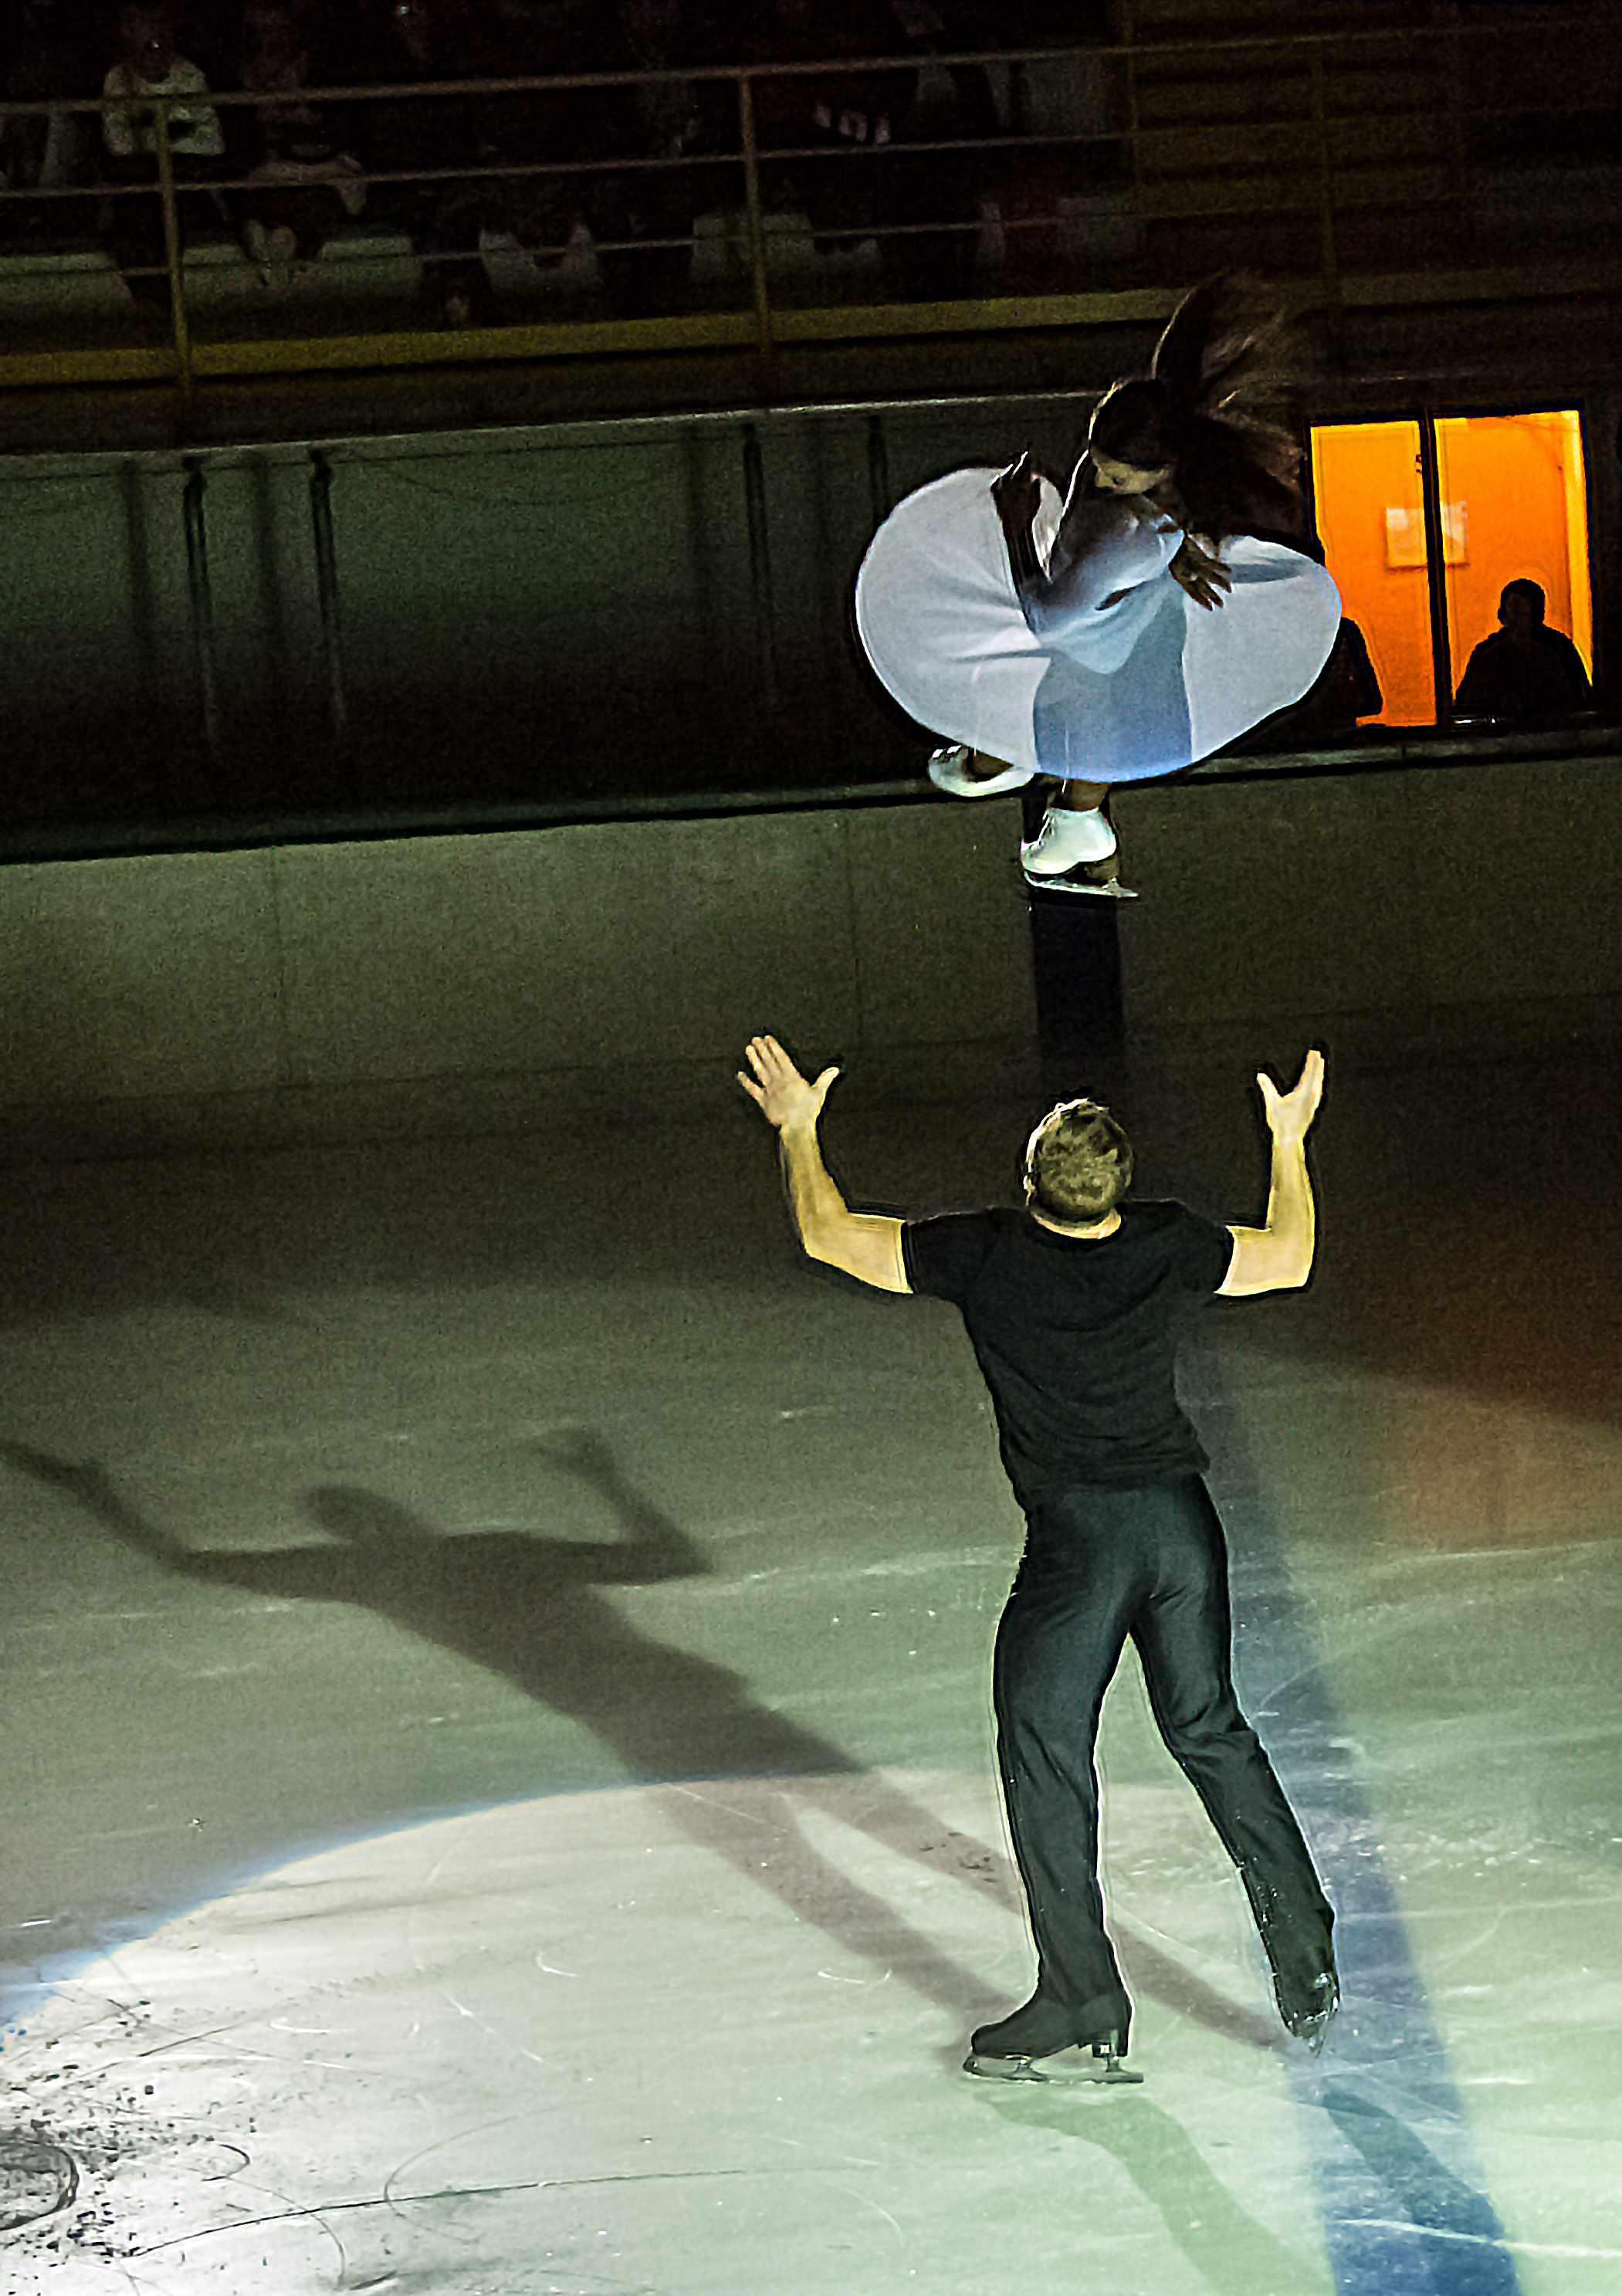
(1124, 632)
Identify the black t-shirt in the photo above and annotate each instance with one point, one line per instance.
(1077, 1337)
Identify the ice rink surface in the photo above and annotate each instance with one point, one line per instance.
(499, 1790)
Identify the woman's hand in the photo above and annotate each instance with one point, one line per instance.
(1200, 573)
(1016, 492)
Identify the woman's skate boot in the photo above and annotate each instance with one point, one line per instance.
(1073, 852)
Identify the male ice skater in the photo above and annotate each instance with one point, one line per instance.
(1073, 1307)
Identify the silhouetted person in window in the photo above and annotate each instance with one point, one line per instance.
(1346, 689)
(1524, 670)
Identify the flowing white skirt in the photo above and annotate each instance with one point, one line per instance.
(1144, 686)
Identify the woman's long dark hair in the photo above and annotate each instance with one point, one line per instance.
(1200, 410)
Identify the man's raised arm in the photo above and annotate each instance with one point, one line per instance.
(1278, 1257)
(863, 1244)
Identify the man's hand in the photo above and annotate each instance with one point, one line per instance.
(1016, 492)
(866, 1245)
(1200, 573)
(1290, 1115)
(778, 1089)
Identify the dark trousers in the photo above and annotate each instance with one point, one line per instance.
(1150, 1562)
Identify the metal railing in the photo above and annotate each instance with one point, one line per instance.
(1317, 156)
(228, 645)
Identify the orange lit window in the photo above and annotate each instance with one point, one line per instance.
(1511, 504)
(1371, 523)
(1514, 486)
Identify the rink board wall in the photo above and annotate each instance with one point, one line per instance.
(459, 983)
(1471, 909)
(464, 983)
(514, 616)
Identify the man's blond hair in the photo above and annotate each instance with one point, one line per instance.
(1078, 1164)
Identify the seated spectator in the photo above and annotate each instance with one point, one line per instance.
(833, 128)
(1063, 188)
(301, 187)
(932, 198)
(1525, 668)
(642, 217)
(148, 67)
(428, 158)
(835, 141)
(48, 49)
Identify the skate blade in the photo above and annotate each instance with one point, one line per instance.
(1312, 2025)
(1072, 2070)
(1073, 881)
(1314, 2031)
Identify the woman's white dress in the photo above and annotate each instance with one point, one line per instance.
(1115, 673)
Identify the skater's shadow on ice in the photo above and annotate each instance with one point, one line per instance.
(533, 1610)
(1233, 2254)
